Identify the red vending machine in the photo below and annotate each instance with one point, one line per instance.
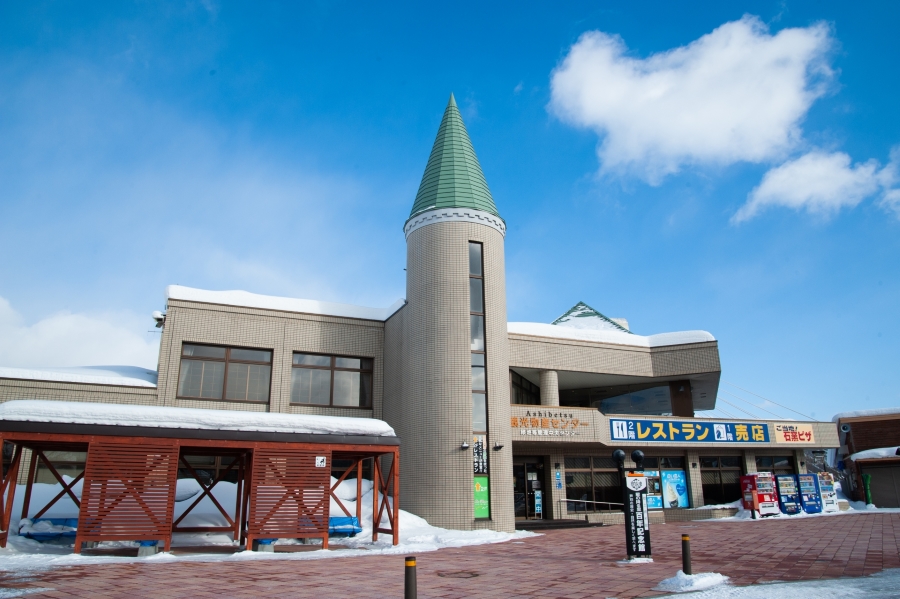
(758, 493)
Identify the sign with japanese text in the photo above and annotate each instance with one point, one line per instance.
(794, 433)
(688, 432)
(482, 497)
(637, 518)
(547, 423)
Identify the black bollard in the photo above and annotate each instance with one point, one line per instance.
(409, 588)
(686, 554)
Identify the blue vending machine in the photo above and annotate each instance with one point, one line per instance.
(810, 498)
(788, 496)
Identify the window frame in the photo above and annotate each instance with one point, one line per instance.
(226, 360)
(718, 469)
(332, 369)
(591, 469)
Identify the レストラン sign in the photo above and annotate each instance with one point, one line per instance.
(690, 432)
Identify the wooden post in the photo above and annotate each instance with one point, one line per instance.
(376, 482)
(396, 469)
(359, 491)
(29, 482)
(9, 482)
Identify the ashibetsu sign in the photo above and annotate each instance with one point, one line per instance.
(633, 429)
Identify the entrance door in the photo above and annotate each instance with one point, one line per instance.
(529, 488)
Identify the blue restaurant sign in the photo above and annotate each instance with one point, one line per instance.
(633, 429)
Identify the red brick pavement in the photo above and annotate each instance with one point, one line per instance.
(561, 564)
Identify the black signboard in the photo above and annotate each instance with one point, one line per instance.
(637, 519)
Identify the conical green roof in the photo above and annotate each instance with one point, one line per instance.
(453, 177)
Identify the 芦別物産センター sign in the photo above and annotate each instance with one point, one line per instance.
(635, 429)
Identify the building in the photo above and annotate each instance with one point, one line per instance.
(870, 446)
(498, 421)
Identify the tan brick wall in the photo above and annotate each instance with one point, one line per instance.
(526, 351)
(549, 388)
(11, 389)
(429, 399)
(282, 332)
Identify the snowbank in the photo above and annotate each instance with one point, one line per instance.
(684, 583)
(70, 412)
(608, 336)
(130, 376)
(416, 535)
(286, 304)
(881, 452)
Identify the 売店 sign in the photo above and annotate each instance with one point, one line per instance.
(794, 433)
(635, 429)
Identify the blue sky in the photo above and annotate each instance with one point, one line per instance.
(717, 166)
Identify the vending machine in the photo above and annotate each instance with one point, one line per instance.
(827, 492)
(810, 499)
(758, 493)
(788, 494)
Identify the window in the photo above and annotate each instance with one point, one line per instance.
(775, 464)
(224, 373)
(721, 479)
(331, 381)
(590, 482)
(480, 460)
(522, 391)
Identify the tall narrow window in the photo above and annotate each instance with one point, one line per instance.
(479, 382)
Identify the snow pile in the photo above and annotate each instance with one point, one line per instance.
(881, 452)
(684, 583)
(285, 304)
(883, 585)
(416, 535)
(27, 526)
(130, 376)
(608, 336)
(70, 412)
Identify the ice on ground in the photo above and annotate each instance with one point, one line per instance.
(881, 452)
(684, 583)
(883, 585)
(416, 535)
(285, 304)
(72, 412)
(608, 336)
(129, 376)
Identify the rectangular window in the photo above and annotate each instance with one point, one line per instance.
(592, 485)
(480, 460)
(229, 373)
(720, 477)
(341, 381)
(522, 391)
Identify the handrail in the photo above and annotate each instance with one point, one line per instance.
(586, 501)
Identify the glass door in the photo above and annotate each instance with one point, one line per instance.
(529, 495)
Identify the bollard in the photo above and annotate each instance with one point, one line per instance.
(409, 590)
(686, 554)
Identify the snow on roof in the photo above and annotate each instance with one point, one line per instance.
(608, 336)
(881, 452)
(286, 304)
(582, 316)
(861, 413)
(130, 376)
(70, 412)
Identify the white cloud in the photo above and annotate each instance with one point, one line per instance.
(822, 183)
(735, 94)
(66, 339)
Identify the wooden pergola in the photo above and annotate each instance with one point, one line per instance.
(284, 485)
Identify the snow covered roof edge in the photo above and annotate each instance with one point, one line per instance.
(861, 413)
(128, 376)
(71, 412)
(609, 336)
(286, 304)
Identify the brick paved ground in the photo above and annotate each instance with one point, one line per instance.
(560, 564)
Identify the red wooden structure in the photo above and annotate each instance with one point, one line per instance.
(283, 480)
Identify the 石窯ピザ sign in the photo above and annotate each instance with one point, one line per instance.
(642, 430)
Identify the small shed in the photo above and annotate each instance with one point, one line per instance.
(282, 465)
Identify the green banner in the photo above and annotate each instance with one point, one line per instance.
(482, 498)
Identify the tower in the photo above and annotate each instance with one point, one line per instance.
(446, 351)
